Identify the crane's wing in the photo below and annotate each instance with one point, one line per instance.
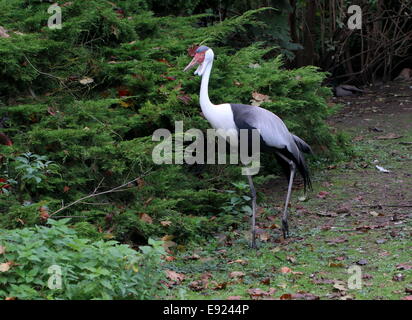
(273, 130)
(274, 134)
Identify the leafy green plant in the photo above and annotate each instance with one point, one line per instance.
(32, 168)
(88, 270)
(239, 203)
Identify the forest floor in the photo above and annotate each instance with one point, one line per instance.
(351, 239)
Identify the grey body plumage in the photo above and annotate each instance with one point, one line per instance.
(275, 137)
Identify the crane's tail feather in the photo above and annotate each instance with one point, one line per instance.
(304, 171)
(299, 159)
(301, 163)
(302, 145)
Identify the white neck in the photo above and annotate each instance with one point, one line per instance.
(205, 104)
(221, 116)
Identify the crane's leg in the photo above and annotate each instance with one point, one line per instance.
(285, 224)
(253, 193)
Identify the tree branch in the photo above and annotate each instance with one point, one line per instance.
(94, 194)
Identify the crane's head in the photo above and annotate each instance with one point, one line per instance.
(203, 56)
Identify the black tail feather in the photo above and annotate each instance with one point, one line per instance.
(299, 160)
(302, 145)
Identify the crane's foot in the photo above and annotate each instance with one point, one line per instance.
(285, 229)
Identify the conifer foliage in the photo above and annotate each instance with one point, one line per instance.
(86, 99)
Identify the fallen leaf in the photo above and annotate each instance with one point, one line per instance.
(166, 223)
(123, 92)
(374, 214)
(3, 33)
(193, 257)
(336, 265)
(322, 194)
(258, 293)
(303, 198)
(4, 267)
(197, 285)
(234, 298)
(407, 298)
(398, 277)
(285, 270)
(265, 281)
(174, 276)
(264, 236)
(220, 286)
(170, 258)
(2, 250)
(169, 244)
(206, 276)
(339, 286)
(291, 259)
(44, 213)
(342, 210)
(404, 266)
(146, 218)
(367, 276)
(86, 81)
(304, 296)
(259, 98)
(286, 296)
(236, 275)
(170, 78)
(167, 237)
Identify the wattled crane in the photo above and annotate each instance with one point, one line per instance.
(274, 135)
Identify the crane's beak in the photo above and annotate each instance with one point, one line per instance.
(193, 63)
(198, 59)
